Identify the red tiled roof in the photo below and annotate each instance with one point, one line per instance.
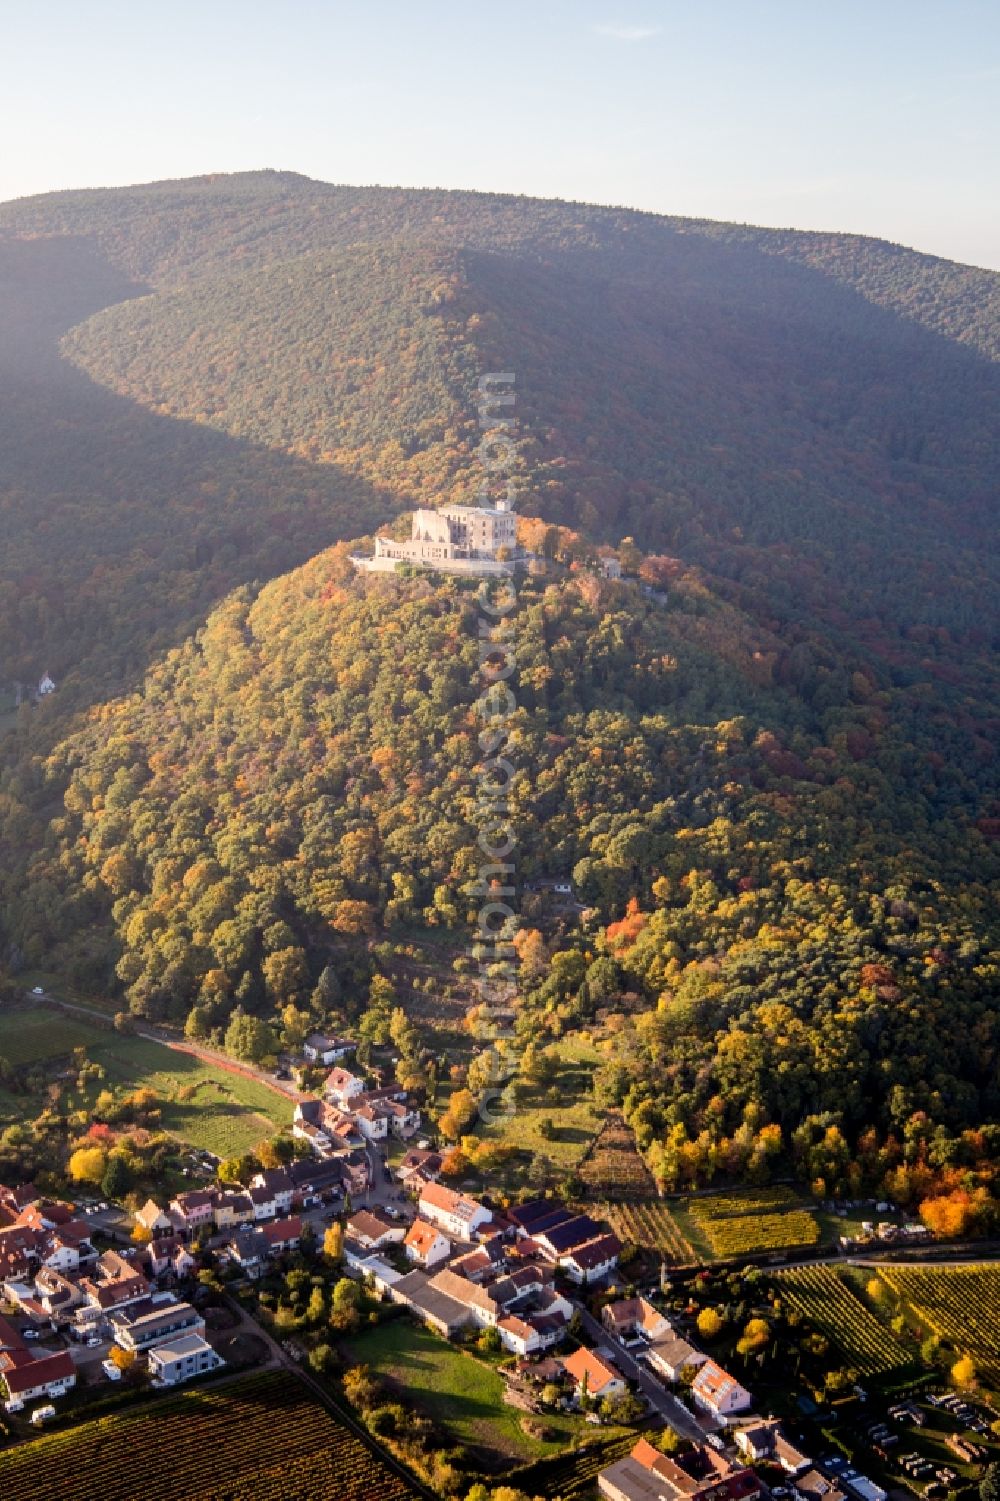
(279, 1231)
(25, 1372)
(590, 1363)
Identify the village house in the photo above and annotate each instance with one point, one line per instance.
(592, 1376)
(372, 1230)
(181, 1359)
(768, 1440)
(518, 1335)
(718, 1393)
(53, 1297)
(592, 1262)
(423, 1161)
(813, 1485)
(483, 1307)
(481, 1263)
(322, 1047)
(152, 1322)
(630, 1316)
(426, 1245)
(327, 1128)
(115, 1283)
(169, 1255)
(156, 1221)
(27, 1377)
(254, 1247)
(341, 1086)
(700, 1474)
(669, 1356)
(433, 1305)
(232, 1208)
(196, 1210)
(576, 1243)
(456, 1214)
(42, 1233)
(372, 1121)
(278, 1184)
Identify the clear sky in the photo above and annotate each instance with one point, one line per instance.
(878, 116)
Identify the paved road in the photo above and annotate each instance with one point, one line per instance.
(670, 1408)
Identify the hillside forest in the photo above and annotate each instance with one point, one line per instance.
(765, 758)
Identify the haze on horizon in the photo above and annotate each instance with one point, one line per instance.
(876, 120)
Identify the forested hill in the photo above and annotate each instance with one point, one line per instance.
(791, 898)
(769, 761)
(812, 417)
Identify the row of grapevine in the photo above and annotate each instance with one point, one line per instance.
(650, 1225)
(613, 1167)
(741, 1224)
(960, 1304)
(263, 1436)
(823, 1298)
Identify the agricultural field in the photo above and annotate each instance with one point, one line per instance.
(825, 1300)
(960, 1304)
(650, 1225)
(727, 1225)
(613, 1169)
(262, 1437)
(203, 1104)
(31, 1034)
(460, 1393)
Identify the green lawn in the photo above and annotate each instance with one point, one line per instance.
(460, 1393)
(570, 1110)
(226, 1113)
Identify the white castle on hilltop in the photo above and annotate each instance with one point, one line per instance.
(455, 539)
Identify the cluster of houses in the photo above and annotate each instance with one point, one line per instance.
(669, 1355)
(56, 1278)
(704, 1473)
(472, 1267)
(350, 1114)
(699, 1474)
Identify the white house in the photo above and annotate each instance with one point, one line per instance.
(321, 1048)
(457, 1215)
(426, 1245)
(179, 1359)
(154, 1219)
(169, 1254)
(518, 1336)
(592, 1261)
(718, 1392)
(341, 1086)
(372, 1122)
(26, 1377)
(279, 1185)
(635, 1316)
(768, 1440)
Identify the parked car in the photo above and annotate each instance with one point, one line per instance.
(30, 1334)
